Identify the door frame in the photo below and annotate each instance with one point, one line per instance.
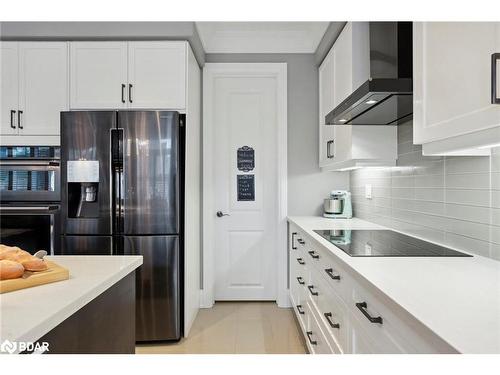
(212, 71)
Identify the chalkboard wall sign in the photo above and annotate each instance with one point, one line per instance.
(246, 159)
(246, 187)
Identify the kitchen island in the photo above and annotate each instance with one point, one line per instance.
(92, 312)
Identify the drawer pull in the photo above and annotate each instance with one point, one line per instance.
(362, 307)
(293, 241)
(301, 261)
(328, 317)
(309, 335)
(299, 309)
(329, 272)
(311, 287)
(301, 280)
(313, 255)
(301, 241)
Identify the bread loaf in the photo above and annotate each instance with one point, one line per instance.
(34, 265)
(10, 269)
(29, 262)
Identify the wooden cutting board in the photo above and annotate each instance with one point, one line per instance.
(54, 273)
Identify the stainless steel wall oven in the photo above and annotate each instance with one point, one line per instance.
(30, 194)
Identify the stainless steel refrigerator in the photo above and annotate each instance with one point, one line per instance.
(122, 194)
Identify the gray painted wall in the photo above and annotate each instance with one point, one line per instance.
(307, 185)
(105, 31)
(452, 200)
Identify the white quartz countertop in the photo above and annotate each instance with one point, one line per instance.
(28, 314)
(457, 298)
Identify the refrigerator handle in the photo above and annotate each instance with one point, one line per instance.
(117, 177)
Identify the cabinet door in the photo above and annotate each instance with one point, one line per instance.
(43, 86)
(98, 75)
(342, 64)
(453, 78)
(157, 75)
(326, 84)
(9, 87)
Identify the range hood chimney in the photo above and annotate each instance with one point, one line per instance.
(387, 97)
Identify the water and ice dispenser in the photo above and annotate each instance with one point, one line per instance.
(83, 188)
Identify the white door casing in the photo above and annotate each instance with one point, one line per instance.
(244, 253)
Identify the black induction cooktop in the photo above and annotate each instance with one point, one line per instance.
(384, 243)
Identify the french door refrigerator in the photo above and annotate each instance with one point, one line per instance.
(122, 194)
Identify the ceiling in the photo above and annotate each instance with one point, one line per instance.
(261, 37)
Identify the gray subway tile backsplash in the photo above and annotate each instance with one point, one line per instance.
(451, 200)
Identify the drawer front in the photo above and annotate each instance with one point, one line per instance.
(315, 338)
(360, 342)
(335, 275)
(333, 314)
(378, 323)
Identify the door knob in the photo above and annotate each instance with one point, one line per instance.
(220, 214)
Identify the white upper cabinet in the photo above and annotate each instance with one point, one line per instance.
(453, 84)
(140, 75)
(157, 75)
(98, 72)
(34, 91)
(344, 69)
(43, 86)
(9, 86)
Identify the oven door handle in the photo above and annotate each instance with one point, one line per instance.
(29, 208)
(27, 163)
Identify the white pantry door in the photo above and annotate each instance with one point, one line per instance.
(244, 114)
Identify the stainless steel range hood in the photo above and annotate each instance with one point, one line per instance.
(387, 97)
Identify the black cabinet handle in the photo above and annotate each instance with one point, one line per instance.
(362, 307)
(293, 241)
(309, 335)
(329, 272)
(130, 92)
(494, 76)
(329, 155)
(301, 261)
(299, 309)
(328, 317)
(311, 287)
(301, 241)
(123, 92)
(19, 123)
(12, 114)
(301, 280)
(313, 254)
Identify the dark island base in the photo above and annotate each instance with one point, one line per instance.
(105, 325)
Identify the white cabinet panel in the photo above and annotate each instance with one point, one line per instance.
(342, 65)
(43, 86)
(98, 75)
(157, 73)
(9, 87)
(344, 69)
(453, 79)
(326, 136)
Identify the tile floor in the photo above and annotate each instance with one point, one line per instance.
(237, 328)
